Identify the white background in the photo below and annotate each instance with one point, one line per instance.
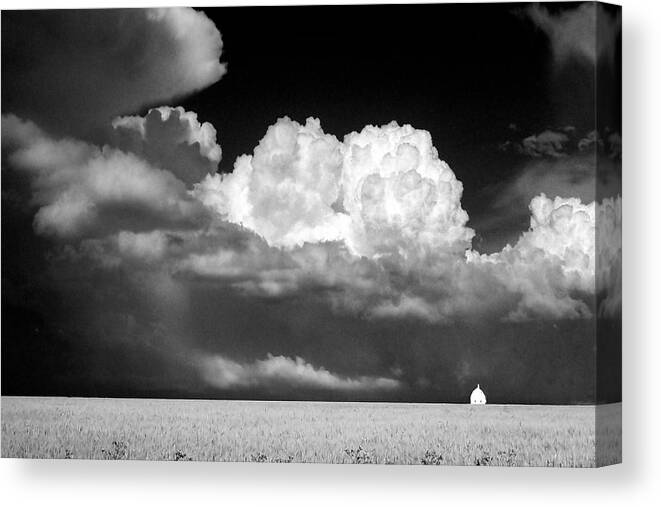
(636, 482)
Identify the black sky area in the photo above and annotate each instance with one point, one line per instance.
(473, 75)
(460, 72)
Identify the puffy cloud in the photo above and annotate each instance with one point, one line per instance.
(402, 199)
(551, 262)
(82, 189)
(383, 191)
(172, 139)
(374, 225)
(381, 231)
(103, 62)
(280, 371)
(284, 191)
(588, 31)
(563, 229)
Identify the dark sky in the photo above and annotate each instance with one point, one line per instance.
(461, 72)
(507, 93)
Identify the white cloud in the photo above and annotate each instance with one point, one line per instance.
(403, 201)
(73, 70)
(284, 191)
(374, 225)
(383, 231)
(384, 192)
(281, 371)
(172, 139)
(550, 263)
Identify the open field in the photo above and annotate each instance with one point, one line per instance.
(507, 435)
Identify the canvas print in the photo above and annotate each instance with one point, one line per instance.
(359, 234)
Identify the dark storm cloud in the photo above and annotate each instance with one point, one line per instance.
(73, 70)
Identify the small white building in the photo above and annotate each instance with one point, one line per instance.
(478, 397)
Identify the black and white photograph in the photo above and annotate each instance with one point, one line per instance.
(341, 234)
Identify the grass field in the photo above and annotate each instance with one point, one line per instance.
(507, 435)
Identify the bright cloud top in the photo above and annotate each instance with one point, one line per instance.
(284, 191)
(551, 262)
(383, 192)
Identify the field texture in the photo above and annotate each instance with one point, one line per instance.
(433, 434)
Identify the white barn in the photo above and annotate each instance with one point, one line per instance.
(478, 397)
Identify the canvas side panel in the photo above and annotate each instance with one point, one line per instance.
(608, 149)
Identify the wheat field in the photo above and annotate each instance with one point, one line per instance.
(317, 432)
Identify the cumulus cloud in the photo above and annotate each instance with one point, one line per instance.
(373, 224)
(387, 235)
(170, 138)
(383, 192)
(587, 32)
(99, 63)
(286, 190)
(280, 371)
(402, 199)
(551, 263)
(82, 189)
